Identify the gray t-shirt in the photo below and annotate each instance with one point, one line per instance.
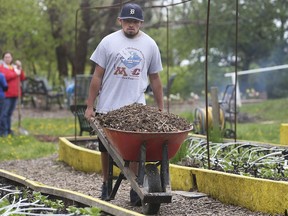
(127, 63)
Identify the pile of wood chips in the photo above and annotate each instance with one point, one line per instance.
(143, 118)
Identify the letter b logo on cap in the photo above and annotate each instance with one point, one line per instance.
(131, 11)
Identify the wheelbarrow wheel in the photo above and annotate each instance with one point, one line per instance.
(152, 183)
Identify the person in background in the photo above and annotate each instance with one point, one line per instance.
(3, 88)
(70, 93)
(126, 61)
(14, 75)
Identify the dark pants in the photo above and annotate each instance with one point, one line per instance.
(7, 112)
(101, 146)
(2, 128)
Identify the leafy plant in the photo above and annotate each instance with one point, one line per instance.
(93, 211)
(23, 201)
(240, 158)
(182, 152)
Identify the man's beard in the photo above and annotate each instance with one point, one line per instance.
(130, 35)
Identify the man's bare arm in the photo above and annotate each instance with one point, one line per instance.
(157, 89)
(94, 90)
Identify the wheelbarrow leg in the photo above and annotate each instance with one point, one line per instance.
(164, 170)
(110, 175)
(116, 186)
(141, 166)
(112, 190)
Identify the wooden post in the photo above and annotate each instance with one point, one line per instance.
(215, 108)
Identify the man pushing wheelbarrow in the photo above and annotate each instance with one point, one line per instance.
(126, 61)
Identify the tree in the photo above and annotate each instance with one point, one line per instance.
(25, 33)
(257, 36)
(42, 34)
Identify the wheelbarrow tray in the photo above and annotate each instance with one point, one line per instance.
(128, 143)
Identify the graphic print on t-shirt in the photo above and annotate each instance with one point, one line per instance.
(130, 62)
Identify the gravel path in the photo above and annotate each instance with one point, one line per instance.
(55, 173)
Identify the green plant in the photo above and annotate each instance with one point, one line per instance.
(24, 201)
(182, 153)
(93, 211)
(216, 135)
(244, 158)
(56, 204)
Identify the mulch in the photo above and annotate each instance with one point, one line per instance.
(143, 118)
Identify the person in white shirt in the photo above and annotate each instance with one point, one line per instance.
(126, 61)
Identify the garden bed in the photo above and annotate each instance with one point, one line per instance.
(19, 199)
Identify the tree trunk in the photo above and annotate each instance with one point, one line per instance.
(82, 39)
(62, 60)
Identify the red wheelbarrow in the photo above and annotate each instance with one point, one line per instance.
(151, 150)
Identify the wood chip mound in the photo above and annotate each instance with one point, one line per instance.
(143, 118)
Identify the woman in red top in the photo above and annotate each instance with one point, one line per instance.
(14, 75)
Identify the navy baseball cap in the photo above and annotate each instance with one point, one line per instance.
(131, 11)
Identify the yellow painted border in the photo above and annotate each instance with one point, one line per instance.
(255, 194)
(284, 134)
(81, 158)
(72, 195)
(252, 193)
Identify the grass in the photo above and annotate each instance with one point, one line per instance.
(270, 114)
(267, 133)
(268, 110)
(29, 147)
(53, 127)
(24, 147)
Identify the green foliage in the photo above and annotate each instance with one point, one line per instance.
(45, 205)
(182, 153)
(259, 42)
(56, 204)
(24, 147)
(93, 211)
(29, 41)
(50, 126)
(4, 202)
(51, 23)
(59, 204)
(242, 158)
(216, 135)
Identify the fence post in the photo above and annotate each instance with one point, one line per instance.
(215, 107)
(284, 134)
